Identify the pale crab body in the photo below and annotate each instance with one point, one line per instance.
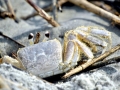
(49, 58)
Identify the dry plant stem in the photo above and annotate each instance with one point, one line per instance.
(29, 16)
(6, 14)
(55, 10)
(99, 11)
(102, 5)
(105, 7)
(10, 9)
(87, 64)
(43, 14)
(46, 9)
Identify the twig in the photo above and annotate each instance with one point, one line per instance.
(11, 13)
(87, 64)
(55, 10)
(46, 9)
(29, 16)
(6, 14)
(10, 9)
(106, 7)
(102, 5)
(105, 62)
(59, 6)
(1, 34)
(43, 14)
(99, 11)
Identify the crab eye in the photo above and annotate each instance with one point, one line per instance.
(30, 38)
(46, 37)
(47, 34)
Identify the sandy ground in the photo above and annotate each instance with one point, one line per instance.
(103, 78)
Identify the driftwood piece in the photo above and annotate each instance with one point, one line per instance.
(87, 64)
(43, 14)
(99, 11)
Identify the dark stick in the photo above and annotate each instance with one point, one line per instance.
(1, 34)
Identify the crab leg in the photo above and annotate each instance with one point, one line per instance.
(77, 55)
(71, 55)
(85, 49)
(92, 39)
(69, 52)
(85, 37)
(103, 33)
(94, 31)
(14, 62)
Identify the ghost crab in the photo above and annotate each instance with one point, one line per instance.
(48, 58)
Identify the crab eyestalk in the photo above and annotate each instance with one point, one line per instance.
(30, 38)
(37, 38)
(46, 37)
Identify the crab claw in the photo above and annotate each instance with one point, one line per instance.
(42, 59)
